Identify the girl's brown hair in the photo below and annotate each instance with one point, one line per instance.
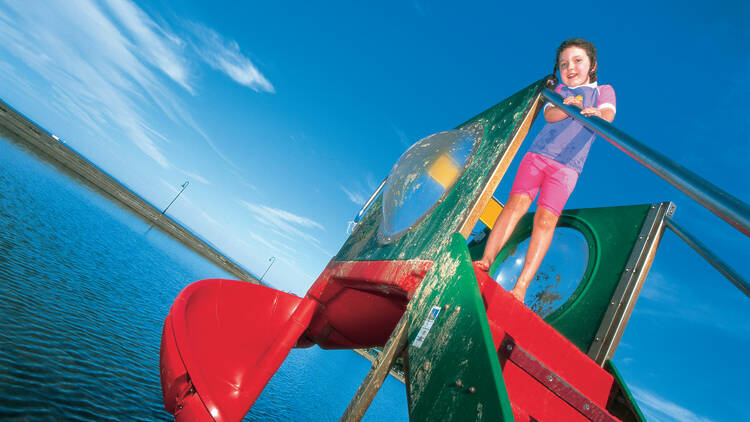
(574, 42)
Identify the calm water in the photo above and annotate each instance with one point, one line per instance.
(84, 289)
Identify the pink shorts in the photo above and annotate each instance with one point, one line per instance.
(555, 180)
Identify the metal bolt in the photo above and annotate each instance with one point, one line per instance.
(549, 378)
(586, 406)
(472, 390)
(509, 347)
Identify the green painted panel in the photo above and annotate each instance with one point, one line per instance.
(453, 372)
(611, 233)
(622, 404)
(430, 236)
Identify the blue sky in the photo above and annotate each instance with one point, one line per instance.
(284, 118)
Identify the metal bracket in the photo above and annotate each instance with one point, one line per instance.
(631, 281)
(554, 383)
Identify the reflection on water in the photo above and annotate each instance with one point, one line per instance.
(558, 276)
(83, 295)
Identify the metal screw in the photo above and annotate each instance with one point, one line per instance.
(586, 406)
(549, 378)
(472, 390)
(509, 347)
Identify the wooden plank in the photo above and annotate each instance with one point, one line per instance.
(498, 172)
(379, 370)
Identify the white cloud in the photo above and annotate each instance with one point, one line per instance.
(209, 219)
(356, 197)
(171, 187)
(361, 192)
(104, 64)
(226, 56)
(262, 241)
(93, 69)
(420, 8)
(195, 177)
(280, 218)
(663, 297)
(402, 138)
(158, 46)
(286, 224)
(658, 409)
(656, 287)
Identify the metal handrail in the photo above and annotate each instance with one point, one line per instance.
(710, 256)
(353, 224)
(716, 200)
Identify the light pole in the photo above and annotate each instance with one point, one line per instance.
(184, 185)
(272, 260)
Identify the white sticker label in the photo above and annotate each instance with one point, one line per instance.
(426, 327)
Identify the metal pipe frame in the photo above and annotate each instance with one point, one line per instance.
(369, 202)
(716, 200)
(709, 256)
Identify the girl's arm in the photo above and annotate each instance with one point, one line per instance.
(605, 113)
(553, 114)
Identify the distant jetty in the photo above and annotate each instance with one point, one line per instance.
(19, 129)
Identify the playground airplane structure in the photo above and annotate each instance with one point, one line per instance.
(404, 281)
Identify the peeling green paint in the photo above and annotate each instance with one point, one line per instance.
(454, 373)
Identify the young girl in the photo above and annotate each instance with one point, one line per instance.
(554, 160)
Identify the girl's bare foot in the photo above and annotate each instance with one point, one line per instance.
(519, 294)
(483, 264)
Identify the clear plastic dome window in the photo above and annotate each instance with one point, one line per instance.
(423, 177)
(559, 275)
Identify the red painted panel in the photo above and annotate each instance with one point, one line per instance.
(361, 301)
(510, 319)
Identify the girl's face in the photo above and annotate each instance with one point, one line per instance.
(575, 66)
